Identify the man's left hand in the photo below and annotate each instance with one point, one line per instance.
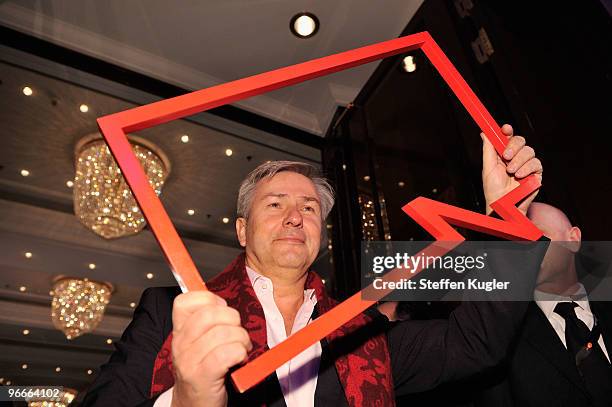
(500, 176)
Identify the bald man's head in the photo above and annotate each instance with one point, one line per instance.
(553, 222)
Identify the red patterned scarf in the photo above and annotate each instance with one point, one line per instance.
(365, 373)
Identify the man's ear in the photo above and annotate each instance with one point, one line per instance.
(575, 237)
(241, 225)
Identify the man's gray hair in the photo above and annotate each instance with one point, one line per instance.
(270, 169)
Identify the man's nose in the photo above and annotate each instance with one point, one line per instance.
(293, 217)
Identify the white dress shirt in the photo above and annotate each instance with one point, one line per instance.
(547, 303)
(298, 377)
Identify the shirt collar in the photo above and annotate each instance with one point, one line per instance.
(254, 277)
(547, 301)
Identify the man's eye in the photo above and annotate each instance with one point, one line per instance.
(274, 205)
(309, 209)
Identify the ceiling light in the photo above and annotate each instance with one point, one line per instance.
(84, 108)
(109, 341)
(22, 288)
(132, 304)
(229, 152)
(190, 212)
(91, 266)
(401, 184)
(225, 220)
(344, 167)
(28, 255)
(25, 173)
(408, 64)
(149, 276)
(366, 178)
(27, 91)
(304, 25)
(58, 369)
(24, 366)
(103, 201)
(8, 382)
(78, 305)
(69, 183)
(435, 190)
(185, 138)
(323, 280)
(89, 371)
(26, 331)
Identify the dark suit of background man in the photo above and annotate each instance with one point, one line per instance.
(559, 360)
(179, 348)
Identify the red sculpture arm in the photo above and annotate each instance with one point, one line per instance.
(435, 217)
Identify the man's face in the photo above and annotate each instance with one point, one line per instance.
(283, 230)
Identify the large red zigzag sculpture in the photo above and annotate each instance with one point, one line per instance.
(435, 217)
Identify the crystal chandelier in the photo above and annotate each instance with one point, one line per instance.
(66, 396)
(102, 199)
(78, 305)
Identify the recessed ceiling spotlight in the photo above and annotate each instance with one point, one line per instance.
(28, 255)
(225, 220)
(401, 184)
(27, 91)
(408, 64)
(58, 369)
(229, 152)
(69, 183)
(304, 25)
(109, 341)
(366, 178)
(22, 288)
(89, 371)
(435, 190)
(24, 366)
(190, 212)
(26, 331)
(323, 280)
(132, 304)
(25, 173)
(84, 108)
(149, 276)
(91, 266)
(185, 138)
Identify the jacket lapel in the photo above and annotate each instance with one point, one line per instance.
(542, 337)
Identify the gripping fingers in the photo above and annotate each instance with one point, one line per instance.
(533, 166)
(515, 144)
(201, 321)
(219, 336)
(186, 304)
(194, 353)
(525, 154)
(221, 359)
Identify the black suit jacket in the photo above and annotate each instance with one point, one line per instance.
(540, 371)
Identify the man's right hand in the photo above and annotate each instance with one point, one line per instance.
(207, 340)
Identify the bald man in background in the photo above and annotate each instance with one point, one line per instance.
(562, 357)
